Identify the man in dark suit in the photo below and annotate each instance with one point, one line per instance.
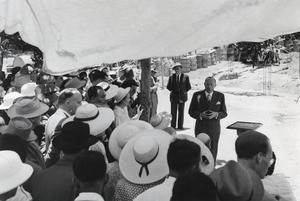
(208, 107)
(178, 85)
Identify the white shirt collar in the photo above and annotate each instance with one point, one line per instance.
(211, 93)
(89, 196)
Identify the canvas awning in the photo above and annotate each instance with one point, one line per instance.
(77, 33)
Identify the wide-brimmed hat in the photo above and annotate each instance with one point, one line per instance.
(143, 160)
(28, 108)
(99, 119)
(160, 121)
(75, 82)
(123, 133)
(20, 80)
(175, 65)
(121, 94)
(110, 89)
(236, 183)
(8, 100)
(207, 161)
(48, 88)
(12, 171)
(28, 89)
(74, 135)
(203, 137)
(21, 127)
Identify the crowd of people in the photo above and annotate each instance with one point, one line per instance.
(79, 137)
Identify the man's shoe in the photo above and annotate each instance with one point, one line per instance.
(180, 128)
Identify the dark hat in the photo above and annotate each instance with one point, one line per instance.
(129, 83)
(44, 78)
(175, 65)
(236, 183)
(74, 135)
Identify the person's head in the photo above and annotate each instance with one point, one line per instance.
(194, 186)
(82, 76)
(97, 95)
(100, 77)
(177, 67)
(132, 84)
(90, 171)
(13, 173)
(122, 97)
(254, 149)
(210, 84)
(16, 144)
(182, 156)
(69, 100)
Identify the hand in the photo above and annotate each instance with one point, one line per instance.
(212, 115)
(139, 111)
(204, 115)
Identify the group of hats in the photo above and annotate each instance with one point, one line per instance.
(80, 130)
(142, 151)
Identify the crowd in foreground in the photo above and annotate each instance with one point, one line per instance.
(80, 138)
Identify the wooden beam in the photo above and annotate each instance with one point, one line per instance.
(145, 88)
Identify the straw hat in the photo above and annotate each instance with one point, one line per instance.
(203, 137)
(74, 136)
(121, 94)
(12, 171)
(20, 80)
(110, 89)
(75, 82)
(99, 119)
(160, 121)
(8, 100)
(28, 89)
(123, 133)
(21, 127)
(206, 166)
(144, 158)
(175, 65)
(28, 108)
(235, 183)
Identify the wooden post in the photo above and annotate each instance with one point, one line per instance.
(145, 89)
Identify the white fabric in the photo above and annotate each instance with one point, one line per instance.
(277, 184)
(52, 123)
(89, 197)
(21, 195)
(74, 34)
(160, 192)
(121, 115)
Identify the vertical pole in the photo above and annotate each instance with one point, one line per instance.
(145, 89)
(162, 72)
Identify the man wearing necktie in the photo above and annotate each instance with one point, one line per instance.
(208, 107)
(178, 85)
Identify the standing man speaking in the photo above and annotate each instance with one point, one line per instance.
(208, 107)
(178, 84)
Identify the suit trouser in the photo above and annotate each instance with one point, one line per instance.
(174, 107)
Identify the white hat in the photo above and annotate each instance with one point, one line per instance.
(143, 160)
(123, 133)
(8, 100)
(110, 89)
(28, 89)
(121, 94)
(99, 119)
(12, 171)
(160, 121)
(205, 166)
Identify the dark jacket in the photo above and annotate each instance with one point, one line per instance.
(179, 90)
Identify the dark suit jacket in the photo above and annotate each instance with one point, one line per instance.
(179, 92)
(200, 104)
(55, 183)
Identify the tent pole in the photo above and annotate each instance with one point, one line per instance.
(145, 89)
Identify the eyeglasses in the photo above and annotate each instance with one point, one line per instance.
(271, 159)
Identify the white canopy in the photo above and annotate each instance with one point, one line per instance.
(77, 33)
